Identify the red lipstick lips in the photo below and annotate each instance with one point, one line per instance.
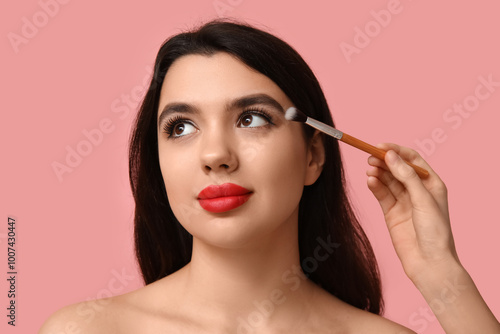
(222, 198)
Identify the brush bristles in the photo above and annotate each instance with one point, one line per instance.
(294, 114)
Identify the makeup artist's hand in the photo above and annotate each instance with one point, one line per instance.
(416, 213)
(415, 210)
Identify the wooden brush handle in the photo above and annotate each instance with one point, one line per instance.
(378, 153)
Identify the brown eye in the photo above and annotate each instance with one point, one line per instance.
(179, 128)
(247, 120)
(253, 121)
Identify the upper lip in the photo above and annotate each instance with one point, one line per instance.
(223, 190)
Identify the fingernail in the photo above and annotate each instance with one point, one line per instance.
(392, 156)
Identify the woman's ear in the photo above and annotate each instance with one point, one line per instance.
(315, 158)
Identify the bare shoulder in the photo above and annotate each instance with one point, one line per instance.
(84, 317)
(132, 312)
(373, 323)
(355, 320)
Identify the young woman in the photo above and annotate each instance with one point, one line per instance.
(242, 224)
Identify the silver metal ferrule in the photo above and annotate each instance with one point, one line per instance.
(324, 128)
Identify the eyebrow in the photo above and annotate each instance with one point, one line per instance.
(239, 103)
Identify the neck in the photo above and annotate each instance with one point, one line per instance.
(260, 282)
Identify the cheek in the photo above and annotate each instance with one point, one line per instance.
(284, 150)
(176, 171)
(279, 167)
(176, 162)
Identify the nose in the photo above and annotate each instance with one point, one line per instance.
(217, 152)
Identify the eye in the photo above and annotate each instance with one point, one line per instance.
(178, 127)
(182, 129)
(254, 119)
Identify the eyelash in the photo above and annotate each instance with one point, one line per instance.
(169, 126)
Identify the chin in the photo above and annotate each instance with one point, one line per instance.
(231, 233)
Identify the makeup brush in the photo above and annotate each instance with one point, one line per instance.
(293, 114)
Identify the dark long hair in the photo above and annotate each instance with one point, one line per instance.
(163, 246)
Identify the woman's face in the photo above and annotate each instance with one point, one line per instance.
(220, 123)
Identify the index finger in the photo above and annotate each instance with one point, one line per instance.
(433, 183)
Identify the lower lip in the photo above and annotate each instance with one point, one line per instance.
(223, 204)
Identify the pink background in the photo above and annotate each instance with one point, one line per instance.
(74, 237)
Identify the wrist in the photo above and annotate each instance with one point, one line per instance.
(443, 284)
(435, 276)
(455, 300)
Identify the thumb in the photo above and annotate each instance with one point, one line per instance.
(409, 178)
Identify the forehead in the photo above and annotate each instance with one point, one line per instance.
(205, 80)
